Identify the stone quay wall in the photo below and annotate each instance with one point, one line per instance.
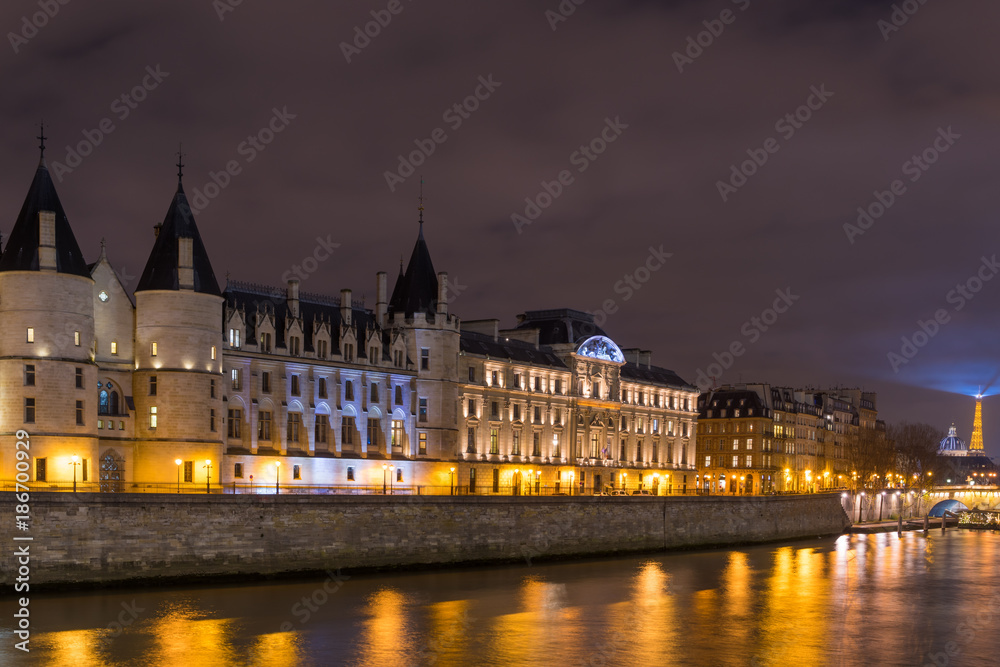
(98, 539)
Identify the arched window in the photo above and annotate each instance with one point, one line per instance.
(104, 403)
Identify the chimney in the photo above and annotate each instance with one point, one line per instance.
(185, 263)
(646, 358)
(381, 305)
(345, 307)
(47, 241)
(293, 296)
(156, 229)
(442, 301)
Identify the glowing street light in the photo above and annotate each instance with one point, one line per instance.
(208, 475)
(391, 476)
(453, 481)
(178, 462)
(385, 469)
(277, 469)
(75, 462)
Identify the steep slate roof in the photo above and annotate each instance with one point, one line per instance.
(515, 350)
(161, 267)
(653, 375)
(252, 298)
(724, 396)
(21, 253)
(418, 290)
(561, 326)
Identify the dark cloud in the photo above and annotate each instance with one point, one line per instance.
(656, 184)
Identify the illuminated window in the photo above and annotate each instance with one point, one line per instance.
(31, 334)
(296, 472)
(236, 375)
(114, 347)
(152, 349)
(494, 441)
(152, 416)
(265, 342)
(515, 447)
(749, 460)
(736, 461)
(76, 338)
(422, 415)
(422, 440)
(40, 469)
(213, 353)
(397, 432)
(234, 338)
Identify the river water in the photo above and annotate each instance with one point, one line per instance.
(852, 600)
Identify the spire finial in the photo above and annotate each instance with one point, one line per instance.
(421, 200)
(41, 141)
(180, 162)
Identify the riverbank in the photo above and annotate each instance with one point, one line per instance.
(100, 539)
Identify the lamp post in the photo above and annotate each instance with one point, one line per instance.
(178, 462)
(385, 469)
(75, 462)
(208, 476)
(251, 485)
(538, 485)
(452, 486)
(881, 501)
(861, 499)
(571, 482)
(624, 482)
(277, 469)
(391, 478)
(530, 473)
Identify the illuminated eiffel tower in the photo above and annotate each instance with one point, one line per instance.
(976, 445)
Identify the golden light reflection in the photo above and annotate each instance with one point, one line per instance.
(80, 648)
(450, 625)
(184, 637)
(386, 637)
(278, 649)
(647, 619)
(542, 627)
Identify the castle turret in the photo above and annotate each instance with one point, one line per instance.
(47, 369)
(432, 345)
(178, 382)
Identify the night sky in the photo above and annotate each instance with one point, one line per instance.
(675, 119)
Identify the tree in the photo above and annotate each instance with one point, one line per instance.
(869, 453)
(916, 447)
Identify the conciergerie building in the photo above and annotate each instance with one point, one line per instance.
(187, 386)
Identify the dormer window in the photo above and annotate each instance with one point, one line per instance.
(234, 338)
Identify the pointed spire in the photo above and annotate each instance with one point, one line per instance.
(180, 164)
(416, 291)
(104, 250)
(421, 207)
(41, 143)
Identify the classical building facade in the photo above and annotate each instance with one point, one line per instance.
(185, 384)
(758, 438)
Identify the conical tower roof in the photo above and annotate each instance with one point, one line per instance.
(21, 253)
(161, 271)
(416, 291)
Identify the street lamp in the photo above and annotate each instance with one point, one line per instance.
(530, 473)
(624, 481)
(385, 469)
(571, 482)
(881, 501)
(391, 478)
(208, 475)
(277, 469)
(538, 486)
(452, 487)
(75, 462)
(861, 499)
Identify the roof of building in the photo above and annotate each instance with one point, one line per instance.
(417, 290)
(653, 375)
(512, 350)
(725, 400)
(313, 309)
(21, 253)
(560, 326)
(951, 442)
(161, 267)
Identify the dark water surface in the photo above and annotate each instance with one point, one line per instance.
(853, 600)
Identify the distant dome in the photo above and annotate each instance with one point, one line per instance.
(952, 444)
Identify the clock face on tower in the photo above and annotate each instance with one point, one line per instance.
(103, 296)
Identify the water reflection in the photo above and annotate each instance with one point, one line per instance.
(856, 600)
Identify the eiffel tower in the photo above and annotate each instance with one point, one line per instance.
(976, 444)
